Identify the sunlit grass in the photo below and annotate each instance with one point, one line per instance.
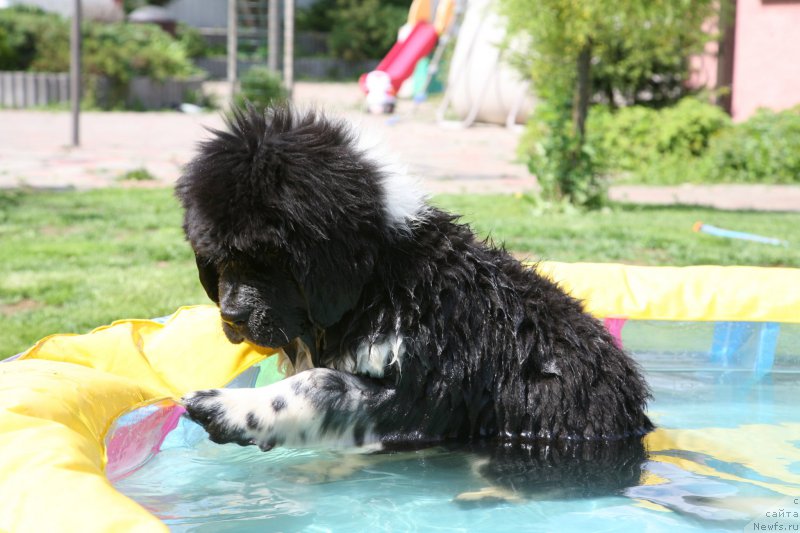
(633, 234)
(71, 261)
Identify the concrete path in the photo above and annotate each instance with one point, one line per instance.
(34, 147)
(34, 151)
(730, 196)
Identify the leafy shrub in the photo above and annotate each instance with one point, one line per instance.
(316, 17)
(31, 39)
(358, 29)
(8, 56)
(655, 145)
(192, 41)
(623, 139)
(563, 45)
(260, 87)
(696, 142)
(37, 41)
(137, 174)
(365, 29)
(565, 168)
(764, 149)
(634, 134)
(121, 51)
(131, 5)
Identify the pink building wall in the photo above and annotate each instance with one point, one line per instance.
(766, 57)
(766, 60)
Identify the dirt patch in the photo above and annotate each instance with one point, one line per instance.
(56, 231)
(19, 307)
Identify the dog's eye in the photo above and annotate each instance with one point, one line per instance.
(209, 278)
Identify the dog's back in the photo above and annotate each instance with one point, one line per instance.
(417, 331)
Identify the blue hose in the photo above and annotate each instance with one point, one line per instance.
(730, 234)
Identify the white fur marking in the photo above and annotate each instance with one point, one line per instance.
(404, 201)
(372, 360)
(302, 359)
(297, 424)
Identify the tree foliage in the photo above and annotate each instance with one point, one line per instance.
(261, 87)
(365, 29)
(357, 29)
(37, 41)
(31, 39)
(640, 48)
(630, 51)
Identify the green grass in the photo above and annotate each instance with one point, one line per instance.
(71, 261)
(137, 174)
(632, 234)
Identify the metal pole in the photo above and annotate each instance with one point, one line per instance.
(233, 46)
(75, 71)
(273, 35)
(288, 45)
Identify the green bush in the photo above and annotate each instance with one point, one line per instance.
(358, 29)
(260, 87)
(696, 142)
(316, 17)
(37, 41)
(655, 145)
(8, 56)
(31, 39)
(637, 54)
(634, 135)
(120, 52)
(137, 174)
(192, 41)
(565, 169)
(365, 29)
(764, 149)
(623, 139)
(130, 5)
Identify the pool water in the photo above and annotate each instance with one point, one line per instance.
(726, 453)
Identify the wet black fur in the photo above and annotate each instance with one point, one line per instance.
(286, 219)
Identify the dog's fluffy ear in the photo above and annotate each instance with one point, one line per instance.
(333, 278)
(208, 278)
(329, 301)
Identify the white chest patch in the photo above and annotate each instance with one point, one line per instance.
(373, 359)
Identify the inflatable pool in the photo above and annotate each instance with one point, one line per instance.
(91, 438)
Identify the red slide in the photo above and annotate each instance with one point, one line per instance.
(399, 63)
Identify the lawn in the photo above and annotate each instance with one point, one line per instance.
(70, 261)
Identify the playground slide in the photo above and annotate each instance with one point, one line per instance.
(383, 83)
(399, 63)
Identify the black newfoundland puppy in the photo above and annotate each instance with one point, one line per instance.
(402, 328)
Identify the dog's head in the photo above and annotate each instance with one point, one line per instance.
(287, 217)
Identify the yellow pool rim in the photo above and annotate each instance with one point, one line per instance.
(58, 400)
(696, 293)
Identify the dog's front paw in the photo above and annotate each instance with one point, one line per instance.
(214, 409)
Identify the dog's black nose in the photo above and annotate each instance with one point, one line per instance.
(236, 316)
